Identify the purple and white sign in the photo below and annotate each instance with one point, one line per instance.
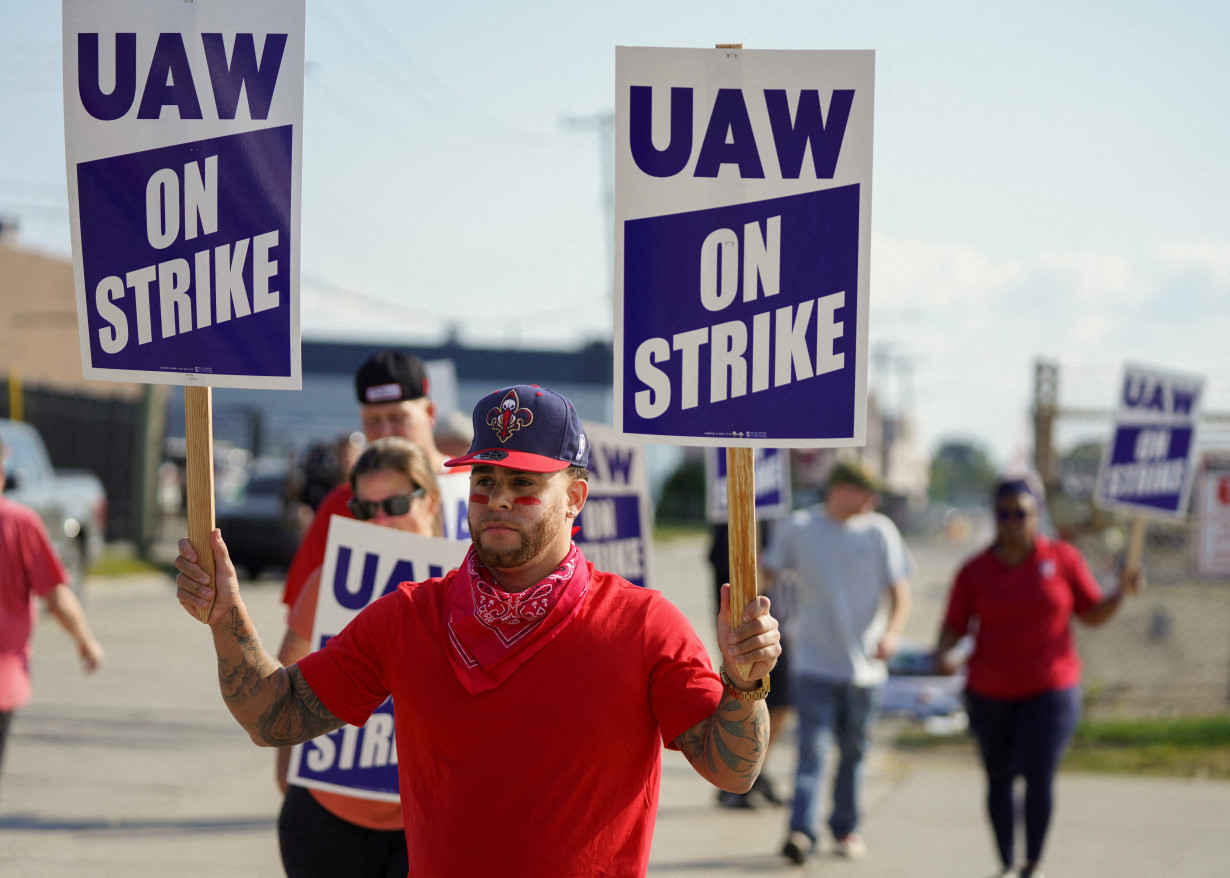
(364, 562)
(1148, 464)
(743, 195)
(771, 475)
(615, 523)
(183, 138)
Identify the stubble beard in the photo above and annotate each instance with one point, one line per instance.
(534, 540)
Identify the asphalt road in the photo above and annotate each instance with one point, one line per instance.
(139, 770)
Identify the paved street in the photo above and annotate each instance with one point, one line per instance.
(140, 771)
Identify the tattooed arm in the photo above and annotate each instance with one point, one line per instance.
(274, 704)
(728, 748)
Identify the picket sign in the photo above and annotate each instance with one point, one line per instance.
(183, 144)
(743, 202)
(1149, 462)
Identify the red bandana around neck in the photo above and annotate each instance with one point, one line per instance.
(492, 632)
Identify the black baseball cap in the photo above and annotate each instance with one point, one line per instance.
(390, 376)
(526, 427)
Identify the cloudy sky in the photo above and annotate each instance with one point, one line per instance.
(1050, 180)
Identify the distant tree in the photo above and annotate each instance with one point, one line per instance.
(961, 474)
(683, 495)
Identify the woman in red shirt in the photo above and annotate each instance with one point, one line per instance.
(1017, 598)
(322, 833)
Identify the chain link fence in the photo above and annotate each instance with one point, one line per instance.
(1167, 652)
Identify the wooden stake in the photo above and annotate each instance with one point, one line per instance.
(1136, 544)
(741, 517)
(198, 427)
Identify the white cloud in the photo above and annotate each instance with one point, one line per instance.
(973, 326)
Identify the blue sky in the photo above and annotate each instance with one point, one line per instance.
(1050, 180)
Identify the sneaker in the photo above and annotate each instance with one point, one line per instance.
(734, 800)
(850, 845)
(797, 847)
(764, 788)
(1030, 872)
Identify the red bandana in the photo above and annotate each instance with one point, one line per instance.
(492, 632)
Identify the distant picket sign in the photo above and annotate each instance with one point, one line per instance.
(363, 562)
(771, 477)
(183, 138)
(615, 525)
(743, 198)
(1148, 464)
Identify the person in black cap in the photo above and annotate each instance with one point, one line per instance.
(392, 390)
(851, 601)
(532, 693)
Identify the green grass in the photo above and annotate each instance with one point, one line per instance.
(118, 562)
(673, 530)
(1196, 746)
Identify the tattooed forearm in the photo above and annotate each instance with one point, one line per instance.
(274, 704)
(297, 715)
(242, 673)
(729, 747)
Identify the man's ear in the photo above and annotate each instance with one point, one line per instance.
(578, 491)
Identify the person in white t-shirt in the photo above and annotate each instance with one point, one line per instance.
(852, 598)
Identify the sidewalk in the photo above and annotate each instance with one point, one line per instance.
(140, 771)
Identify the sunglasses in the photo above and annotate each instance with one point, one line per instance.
(365, 510)
(1011, 514)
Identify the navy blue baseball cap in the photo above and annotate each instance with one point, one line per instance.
(526, 427)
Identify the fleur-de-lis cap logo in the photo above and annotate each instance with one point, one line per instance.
(508, 417)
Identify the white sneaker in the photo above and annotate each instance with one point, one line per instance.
(850, 845)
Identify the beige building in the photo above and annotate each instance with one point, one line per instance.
(39, 345)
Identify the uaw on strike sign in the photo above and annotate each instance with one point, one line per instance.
(364, 562)
(1148, 464)
(183, 137)
(743, 218)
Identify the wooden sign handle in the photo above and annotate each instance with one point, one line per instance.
(1136, 544)
(198, 429)
(741, 518)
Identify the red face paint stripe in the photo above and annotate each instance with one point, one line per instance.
(480, 498)
(527, 501)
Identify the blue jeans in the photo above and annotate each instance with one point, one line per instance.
(829, 711)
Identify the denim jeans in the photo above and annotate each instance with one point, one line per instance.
(829, 711)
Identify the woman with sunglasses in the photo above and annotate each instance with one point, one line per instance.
(1023, 696)
(322, 833)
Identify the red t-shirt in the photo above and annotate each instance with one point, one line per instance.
(552, 774)
(1024, 644)
(311, 552)
(29, 568)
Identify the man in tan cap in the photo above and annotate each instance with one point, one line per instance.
(852, 599)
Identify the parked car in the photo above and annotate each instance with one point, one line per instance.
(260, 519)
(71, 503)
(913, 688)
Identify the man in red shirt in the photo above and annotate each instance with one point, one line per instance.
(532, 693)
(392, 390)
(29, 567)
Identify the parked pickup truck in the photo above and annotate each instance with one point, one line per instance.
(72, 503)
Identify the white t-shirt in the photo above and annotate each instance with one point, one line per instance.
(843, 572)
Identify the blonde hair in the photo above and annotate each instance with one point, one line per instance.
(395, 454)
